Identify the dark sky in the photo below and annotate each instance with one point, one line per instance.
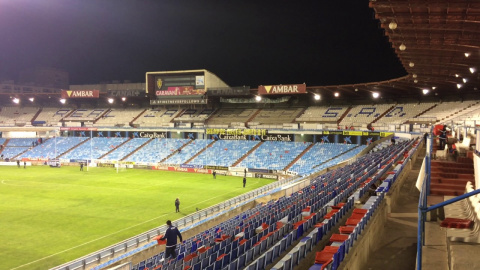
(244, 42)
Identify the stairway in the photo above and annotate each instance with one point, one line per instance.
(4, 144)
(115, 148)
(435, 105)
(300, 114)
(136, 117)
(199, 152)
(449, 178)
(298, 157)
(252, 117)
(176, 151)
(138, 148)
(36, 115)
(101, 115)
(344, 115)
(247, 154)
(69, 150)
(387, 111)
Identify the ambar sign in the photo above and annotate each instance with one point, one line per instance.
(282, 89)
(80, 93)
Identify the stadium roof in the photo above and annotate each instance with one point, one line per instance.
(438, 44)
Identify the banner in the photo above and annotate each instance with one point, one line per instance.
(267, 176)
(77, 129)
(80, 93)
(222, 168)
(177, 101)
(191, 166)
(190, 170)
(180, 91)
(247, 134)
(253, 100)
(282, 89)
(229, 91)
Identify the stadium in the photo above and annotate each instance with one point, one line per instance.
(376, 175)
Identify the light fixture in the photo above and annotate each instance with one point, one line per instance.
(467, 54)
(258, 98)
(464, 80)
(434, 87)
(425, 91)
(31, 99)
(110, 100)
(415, 81)
(459, 85)
(472, 70)
(62, 100)
(16, 100)
(414, 75)
(402, 47)
(336, 94)
(411, 64)
(392, 25)
(375, 94)
(456, 75)
(124, 98)
(316, 97)
(356, 89)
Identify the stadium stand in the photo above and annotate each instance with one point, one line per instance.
(95, 149)
(273, 155)
(194, 115)
(225, 118)
(157, 117)
(318, 154)
(223, 153)
(361, 115)
(17, 116)
(118, 117)
(401, 113)
(188, 151)
(50, 116)
(157, 150)
(322, 114)
(274, 118)
(125, 149)
(284, 231)
(53, 147)
(445, 110)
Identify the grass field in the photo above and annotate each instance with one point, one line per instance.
(49, 216)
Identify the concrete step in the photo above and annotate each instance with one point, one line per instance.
(445, 191)
(435, 254)
(454, 186)
(464, 176)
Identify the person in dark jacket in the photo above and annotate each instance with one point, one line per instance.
(171, 236)
(443, 138)
(177, 205)
(244, 181)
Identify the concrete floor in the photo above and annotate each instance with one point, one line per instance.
(398, 243)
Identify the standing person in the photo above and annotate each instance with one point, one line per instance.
(18, 163)
(24, 164)
(443, 137)
(177, 205)
(244, 181)
(81, 166)
(245, 172)
(171, 236)
(214, 174)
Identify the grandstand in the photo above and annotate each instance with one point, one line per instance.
(157, 117)
(15, 116)
(230, 118)
(118, 117)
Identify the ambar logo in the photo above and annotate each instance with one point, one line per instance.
(282, 89)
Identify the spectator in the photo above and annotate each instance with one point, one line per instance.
(177, 205)
(392, 140)
(171, 236)
(443, 138)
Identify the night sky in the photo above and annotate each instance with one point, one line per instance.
(244, 42)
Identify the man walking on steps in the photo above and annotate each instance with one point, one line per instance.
(171, 236)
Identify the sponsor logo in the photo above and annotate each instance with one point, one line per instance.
(278, 137)
(282, 89)
(152, 135)
(80, 93)
(159, 83)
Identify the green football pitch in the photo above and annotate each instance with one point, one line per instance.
(49, 216)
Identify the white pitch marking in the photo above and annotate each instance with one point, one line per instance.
(105, 236)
